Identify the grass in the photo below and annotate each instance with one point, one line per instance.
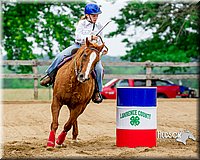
(25, 94)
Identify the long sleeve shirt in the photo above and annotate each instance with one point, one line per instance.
(86, 29)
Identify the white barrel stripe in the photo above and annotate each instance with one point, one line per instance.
(136, 118)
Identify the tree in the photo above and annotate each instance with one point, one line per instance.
(42, 25)
(174, 29)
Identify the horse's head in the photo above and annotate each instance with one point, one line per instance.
(86, 58)
(191, 136)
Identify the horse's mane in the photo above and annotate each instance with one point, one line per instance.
(84, 46)
(80, 51)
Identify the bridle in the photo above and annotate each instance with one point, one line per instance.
(80, 68)
(91, 48)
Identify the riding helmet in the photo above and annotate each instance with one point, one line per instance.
(92, 8)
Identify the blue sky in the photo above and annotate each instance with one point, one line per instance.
(109, 10)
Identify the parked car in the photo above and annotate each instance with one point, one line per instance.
(165, 88)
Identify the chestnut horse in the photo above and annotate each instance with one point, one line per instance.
(74, 86)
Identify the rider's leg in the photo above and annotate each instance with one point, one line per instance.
(59, 57)
(99, 78)
(52, 69)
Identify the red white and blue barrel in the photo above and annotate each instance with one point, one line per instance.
(136, 117)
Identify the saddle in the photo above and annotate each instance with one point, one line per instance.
(53, 73)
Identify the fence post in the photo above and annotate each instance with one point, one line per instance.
(148, 73)
(35, 76)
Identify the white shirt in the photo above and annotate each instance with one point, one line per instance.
(86, 29)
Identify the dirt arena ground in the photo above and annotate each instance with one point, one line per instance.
(26, 129)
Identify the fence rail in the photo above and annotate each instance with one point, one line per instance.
(148, 75)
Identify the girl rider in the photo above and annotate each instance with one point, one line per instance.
(87, 27)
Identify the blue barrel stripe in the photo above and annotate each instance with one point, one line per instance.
(136, 96)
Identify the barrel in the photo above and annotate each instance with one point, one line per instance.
(136, 118)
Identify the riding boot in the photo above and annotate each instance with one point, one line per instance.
(48, 79)
(45, 81)
(97, 97)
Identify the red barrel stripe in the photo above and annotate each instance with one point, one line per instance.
(135, 138)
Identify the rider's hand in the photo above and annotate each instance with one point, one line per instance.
(94, 37)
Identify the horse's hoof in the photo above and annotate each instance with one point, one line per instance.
(74, 141)
(59, 145)
(50, 148)
(50, 144)
(58, 142)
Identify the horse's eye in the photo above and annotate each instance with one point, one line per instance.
(84, 56)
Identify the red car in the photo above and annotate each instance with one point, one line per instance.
(165, 89)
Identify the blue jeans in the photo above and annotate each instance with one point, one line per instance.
(67, 52)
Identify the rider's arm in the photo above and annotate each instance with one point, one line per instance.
(84, 29)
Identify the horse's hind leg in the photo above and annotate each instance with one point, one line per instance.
(55, 109)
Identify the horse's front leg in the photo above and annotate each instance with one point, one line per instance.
(75, 131)
(55, 110)
(74, 113)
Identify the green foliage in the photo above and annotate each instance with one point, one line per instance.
(29, 25)
(174, 29)
(18, 83)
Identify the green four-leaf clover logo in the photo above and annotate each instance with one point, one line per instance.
(135, 121)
